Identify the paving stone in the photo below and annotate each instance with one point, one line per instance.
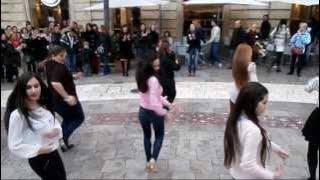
(182, 175)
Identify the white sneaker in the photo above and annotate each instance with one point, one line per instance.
(220, 65)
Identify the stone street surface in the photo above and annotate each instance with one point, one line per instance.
(109, 145)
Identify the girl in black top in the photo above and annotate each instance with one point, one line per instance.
(126, 54)
(168, 64)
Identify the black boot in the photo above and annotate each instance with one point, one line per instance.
(66, 146)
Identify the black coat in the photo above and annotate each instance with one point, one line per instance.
(105, 41)
(93, 38)
(238, 36)
(265, 30)
(142, 41)
(125, 46)
(153, 38)
(168, 66)
(311, 128)
(193, 42)
(39, 49)
(9, 55)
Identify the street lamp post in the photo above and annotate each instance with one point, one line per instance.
(106, 12)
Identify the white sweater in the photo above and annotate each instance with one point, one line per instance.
(25, 143)
(313, 85)
(248, 163)
(252, 70)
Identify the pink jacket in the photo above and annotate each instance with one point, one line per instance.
(153, 99)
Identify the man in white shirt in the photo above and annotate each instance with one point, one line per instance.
(215, 43)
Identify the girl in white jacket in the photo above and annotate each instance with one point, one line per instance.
(33, 131)
(246, 143)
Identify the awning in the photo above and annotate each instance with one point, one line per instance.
(301, 2)
(240, 2)
(128, 3)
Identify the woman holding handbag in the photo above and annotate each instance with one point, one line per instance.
(280, 36)
(299, 42)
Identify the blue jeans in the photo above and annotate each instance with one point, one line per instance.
(71, 62)
(72, 116)
(106, 68)
(141, 52)
(87, 69)
(193, 60)
(215, 50)
(148, 117)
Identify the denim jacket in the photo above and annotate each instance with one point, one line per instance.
(300, 40)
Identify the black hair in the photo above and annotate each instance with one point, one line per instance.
(145, 70)
(247, 102)
(17, 99)
(55, 50)
(282, 22)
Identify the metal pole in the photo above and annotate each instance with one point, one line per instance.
(106, 12)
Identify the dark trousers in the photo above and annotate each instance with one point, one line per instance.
(277, 61)
(11, 70)
(125, 67)
(106, 68)
(148, 118)
(300, 63)
(313, 158)
(32, 66)
(48, 166)
(73, 117)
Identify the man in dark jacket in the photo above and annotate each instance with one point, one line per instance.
(265, 28)
(70, 42)
(238, 37)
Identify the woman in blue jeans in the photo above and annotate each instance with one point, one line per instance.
(152, 107)
(194, 48)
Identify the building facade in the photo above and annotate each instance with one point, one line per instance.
(173, 17)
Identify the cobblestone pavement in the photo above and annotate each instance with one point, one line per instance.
(110, 143)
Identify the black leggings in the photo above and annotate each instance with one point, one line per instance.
(48, 166)
(277, 61)
(313, 158)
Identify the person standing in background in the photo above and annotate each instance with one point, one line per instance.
(265, 28)
(280, 36)
(238, 37)
(215, 43)
(194, 49)
(153, 37)
(70, 42)
(299, 42)
(126, 53)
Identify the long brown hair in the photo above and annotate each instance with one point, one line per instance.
(247, 102)
(241, 59)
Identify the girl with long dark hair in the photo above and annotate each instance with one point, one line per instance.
(280, 35)
(152, 103)
(33, 132)
(246, 143)
(168, 64)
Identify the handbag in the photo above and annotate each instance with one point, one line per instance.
(296, 51)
